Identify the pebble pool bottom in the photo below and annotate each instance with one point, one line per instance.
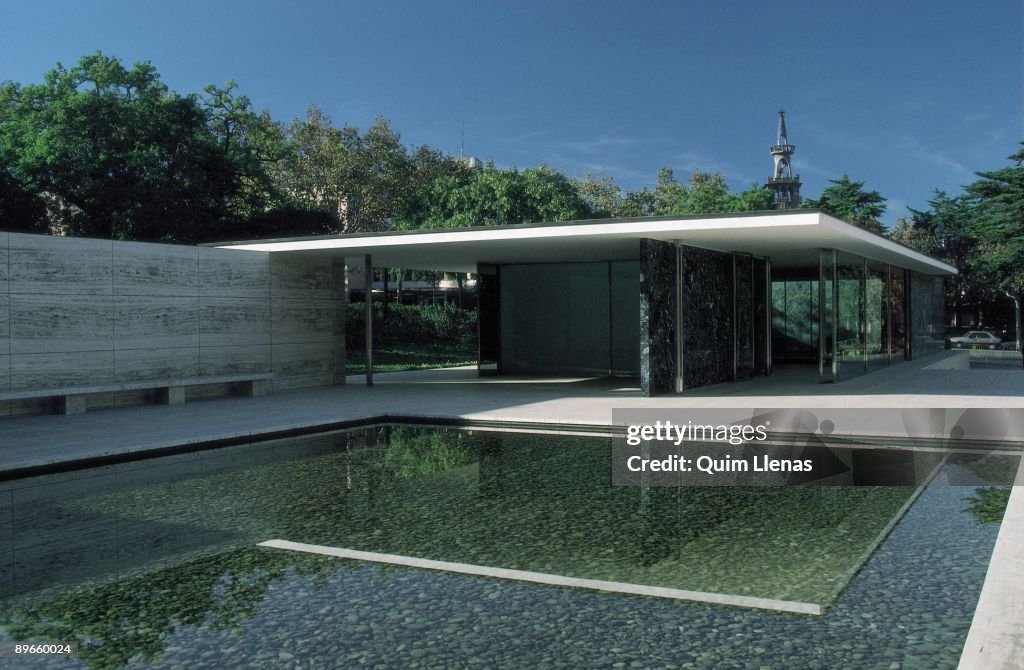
(153, 564)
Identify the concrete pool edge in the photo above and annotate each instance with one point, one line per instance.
(102, 452)
(995, 640)
(788, 606)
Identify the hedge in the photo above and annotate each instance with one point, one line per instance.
(410, 324)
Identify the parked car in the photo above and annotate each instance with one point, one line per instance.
(976, 338)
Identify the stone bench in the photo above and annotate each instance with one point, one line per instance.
(71, 399)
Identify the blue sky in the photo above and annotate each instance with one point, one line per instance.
(907, 96)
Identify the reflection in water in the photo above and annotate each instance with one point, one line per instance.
(144, 563)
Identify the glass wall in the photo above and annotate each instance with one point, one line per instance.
(876, 313)
(795, 317)
(827, 369)
(851, 330)
(927, 306)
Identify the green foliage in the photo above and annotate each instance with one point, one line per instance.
(987, 505)
(498, 197)
(847, 200)
(413, 453)
(109, 151)
(705, 193)
(999, 224)
(363, 180)
(410, 324)
(197, 592)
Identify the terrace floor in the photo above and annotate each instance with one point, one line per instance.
(458, 393)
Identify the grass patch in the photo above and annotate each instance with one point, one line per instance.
(413, 357)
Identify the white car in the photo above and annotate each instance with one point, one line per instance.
(976, 338)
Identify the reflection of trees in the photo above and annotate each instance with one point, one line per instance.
(413, 453)
(134, 617)
(988, 504)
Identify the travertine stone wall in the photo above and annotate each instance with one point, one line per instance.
(77, 311)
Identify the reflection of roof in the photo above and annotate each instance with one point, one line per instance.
(789, 237)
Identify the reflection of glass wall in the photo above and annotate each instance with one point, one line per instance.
(850, 322)
(927, 307)
(795, 318)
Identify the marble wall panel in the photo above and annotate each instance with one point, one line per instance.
(143, 397)
(60, 265)
(298, 320)
(300, 365)
(658, 329)
(142, 364)
(761, 306)
(99, 401)
(338, 355)
(30, 407)
(233, 321)
(155, 269)
(707, 317)
(5, 324)
(4, 260)
(302, 277)
(229, 272)
(51, 370)
(234, 360)
(743, 272)
(53, 323)
(155, 322)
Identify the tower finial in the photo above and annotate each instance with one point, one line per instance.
(785, 186)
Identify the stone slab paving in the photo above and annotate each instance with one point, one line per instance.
(458, 393)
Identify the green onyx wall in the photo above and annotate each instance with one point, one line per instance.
(709, 314)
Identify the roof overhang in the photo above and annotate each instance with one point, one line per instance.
(790, 239)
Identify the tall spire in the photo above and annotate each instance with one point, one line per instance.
(782, 127)
(785, 186)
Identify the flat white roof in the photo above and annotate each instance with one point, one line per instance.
(790, 239)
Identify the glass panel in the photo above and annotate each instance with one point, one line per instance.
(827, 270)
(877, 323)
(850, 326)
(927, 302)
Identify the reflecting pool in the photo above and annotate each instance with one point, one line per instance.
(154, 563)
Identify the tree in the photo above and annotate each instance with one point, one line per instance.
(496, 197)
(362, 179)
(847, 200)
(705, 193)
(944, 231)
(999, 225)
(110, 151)
(601, 195)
